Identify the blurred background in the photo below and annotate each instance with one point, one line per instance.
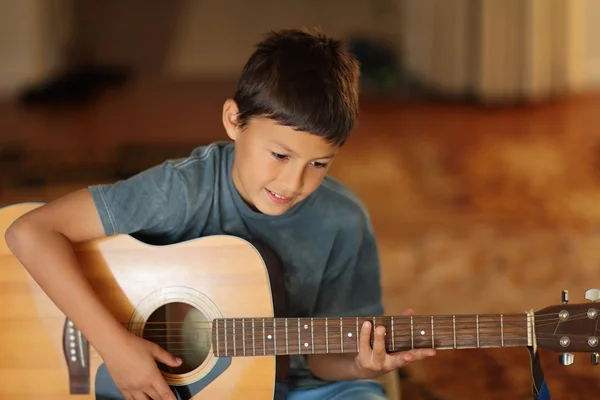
(477, 151)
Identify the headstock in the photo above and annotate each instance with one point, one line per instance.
(570, 327)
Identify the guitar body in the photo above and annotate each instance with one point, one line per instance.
(43, 356)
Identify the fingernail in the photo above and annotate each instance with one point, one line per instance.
(366, 324)
(178, 360)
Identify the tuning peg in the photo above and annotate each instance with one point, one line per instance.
(566, 358)
(592, 295)
(565, 296)
(595, 358)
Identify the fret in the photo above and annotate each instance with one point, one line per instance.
(357, 336)
(326, 335)
(393, 345)
(341, 336)
(226, 346)
(432, 336)
(501, 330)
(234, 344)
(253, 339)
(312, 334)
(287, 348)
(274, 337)
(217, 337)
(243, 336)
(454, 329)
(264, 339)
(412, 333)
(477, 327)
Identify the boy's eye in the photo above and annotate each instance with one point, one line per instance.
(319, 164)
(279, 156)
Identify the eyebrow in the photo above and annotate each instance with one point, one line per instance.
(287, 149)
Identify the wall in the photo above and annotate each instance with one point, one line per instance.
(592, 47)
(212, 38)
(191, 38)
(24, 54)
(216, 37)
(178, 38)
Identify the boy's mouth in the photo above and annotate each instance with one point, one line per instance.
(277, 198)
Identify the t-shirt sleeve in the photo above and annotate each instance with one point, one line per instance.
(351, 284)
(151, 204)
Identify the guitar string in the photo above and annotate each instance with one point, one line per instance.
(331, 347)
(508, 324)
(577, 339)
(458, 343)
(351, 320)
(460, 340)
(516, 336)
(209, 325)
(439, 329)
(508, 321)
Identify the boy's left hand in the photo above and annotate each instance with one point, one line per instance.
(374, 362)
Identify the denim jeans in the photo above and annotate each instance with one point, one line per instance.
(344, 390)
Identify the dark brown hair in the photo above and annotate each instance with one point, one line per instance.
(302, 80)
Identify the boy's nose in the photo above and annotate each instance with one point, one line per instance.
(292, 180)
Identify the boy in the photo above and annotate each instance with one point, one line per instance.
(294, 107)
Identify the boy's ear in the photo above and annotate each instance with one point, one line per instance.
(230, 118)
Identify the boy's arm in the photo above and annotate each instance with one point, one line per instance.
(41, 240)
(152, 203)
(352, 287)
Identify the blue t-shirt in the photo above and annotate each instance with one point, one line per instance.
(326, 243)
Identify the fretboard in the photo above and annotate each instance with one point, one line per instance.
(285, 336)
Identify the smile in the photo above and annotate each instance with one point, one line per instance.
(277, 198)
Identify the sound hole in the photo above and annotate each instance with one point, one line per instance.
(183, 331)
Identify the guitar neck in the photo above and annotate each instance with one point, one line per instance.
(285, 336)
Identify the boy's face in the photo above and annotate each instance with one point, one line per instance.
(275, 166)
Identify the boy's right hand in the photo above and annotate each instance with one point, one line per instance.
(131, 363)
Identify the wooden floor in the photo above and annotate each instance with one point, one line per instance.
(476, 210)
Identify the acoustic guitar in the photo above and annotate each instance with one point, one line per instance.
(211, 302)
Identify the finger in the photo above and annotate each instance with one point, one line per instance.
(408, 311)
(163, 390)
(422, 353)
(403, 358)
(400, 360)
(165, 357)
(137, 395)
(379, 352)
(153, 394)
(365, 339)
(127, 395)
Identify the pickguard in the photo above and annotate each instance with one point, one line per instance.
(107, 390)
